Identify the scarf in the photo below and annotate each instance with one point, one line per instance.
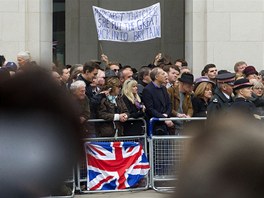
(112, 99)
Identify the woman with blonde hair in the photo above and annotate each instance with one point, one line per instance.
(203, 91)
(135, 107)
(112, 108)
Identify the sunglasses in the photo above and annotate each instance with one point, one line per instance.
(115, 70)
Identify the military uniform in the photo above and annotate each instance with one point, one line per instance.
(219, 102)
(242, 103)
(244, 106)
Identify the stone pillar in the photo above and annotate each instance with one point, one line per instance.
(26, 25)
(224, 32)
(195, 34)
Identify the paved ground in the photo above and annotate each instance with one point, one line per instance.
(133, 194)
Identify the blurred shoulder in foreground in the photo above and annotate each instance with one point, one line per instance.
(40, 139)
(225, 159)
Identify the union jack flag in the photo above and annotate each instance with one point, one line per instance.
(115, 165)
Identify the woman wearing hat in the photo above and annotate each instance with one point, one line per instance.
(243, 90)
(203, 91)
(250, 73)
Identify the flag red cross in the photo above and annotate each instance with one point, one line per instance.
(118, 164)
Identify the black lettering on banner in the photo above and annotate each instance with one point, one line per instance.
(128, 26)
(103, 23)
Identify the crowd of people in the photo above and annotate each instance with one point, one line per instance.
(108, 90)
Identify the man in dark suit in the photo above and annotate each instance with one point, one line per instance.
(157, 101)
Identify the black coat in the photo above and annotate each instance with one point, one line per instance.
(157, 101)
(259, 103)
(141, 85)
(199, 107)
(219, 102)
(243, 106)
(132, 109)
(133, 127)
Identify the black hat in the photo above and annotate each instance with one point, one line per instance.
(186, 78)
(226, 77)
(223, 71)
(241, 83)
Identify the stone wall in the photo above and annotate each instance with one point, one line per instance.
(26, 25)
(224, 32)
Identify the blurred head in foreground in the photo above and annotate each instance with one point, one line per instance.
(225, 160)
(39, 135)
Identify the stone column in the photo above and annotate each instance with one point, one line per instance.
(195, 34)
(26, 25)
(224, 32)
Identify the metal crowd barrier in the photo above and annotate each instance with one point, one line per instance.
(82, 167)
(166, 154)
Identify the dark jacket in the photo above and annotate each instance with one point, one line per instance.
(84, 111)
(243, 106)
(157, 101)
(199, 107)
(107, 111)
(84, 108)
(259, 103)
(133, 127)
(219, 102)
(141, 85)
(132, 109)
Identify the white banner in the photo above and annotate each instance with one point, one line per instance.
(128, 26)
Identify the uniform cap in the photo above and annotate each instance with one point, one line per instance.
(227, 77)
(241, 83)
